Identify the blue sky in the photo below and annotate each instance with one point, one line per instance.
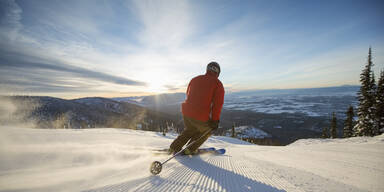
(124, 48)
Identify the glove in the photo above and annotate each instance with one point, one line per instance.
(213, 124)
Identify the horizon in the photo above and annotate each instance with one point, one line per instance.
(160, 94)
(76, 49)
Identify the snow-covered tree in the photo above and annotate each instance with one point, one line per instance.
(333, 126)
(349, 123)
(366, 108)
(380, 103)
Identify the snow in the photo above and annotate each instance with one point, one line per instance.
(118, 160)
(248, 132)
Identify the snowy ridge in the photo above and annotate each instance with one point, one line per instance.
(249, 132)
(353, 140)
(110, 160)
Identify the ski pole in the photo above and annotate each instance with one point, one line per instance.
(156, 166)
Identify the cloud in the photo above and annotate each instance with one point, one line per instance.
(165, 25)
(57, 48)
(16, 64)
(38, 61)
(51, 76)
(10, 16)
(172, 88)
(111, 44)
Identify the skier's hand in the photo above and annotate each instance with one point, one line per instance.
(213, 124)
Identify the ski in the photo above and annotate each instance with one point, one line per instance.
(200, 151)
(211, 150)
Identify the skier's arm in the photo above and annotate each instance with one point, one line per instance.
(218, 101)
(189, 86)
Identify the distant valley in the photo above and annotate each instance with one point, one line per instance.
(286, 115)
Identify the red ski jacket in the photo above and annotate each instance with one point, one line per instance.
(205, 98)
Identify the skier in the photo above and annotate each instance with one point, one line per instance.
(201, 110)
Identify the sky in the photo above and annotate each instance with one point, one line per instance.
(72, 49)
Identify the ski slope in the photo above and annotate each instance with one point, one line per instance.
(112, 160)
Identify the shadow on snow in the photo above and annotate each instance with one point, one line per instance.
(209, 178)
(228, 180)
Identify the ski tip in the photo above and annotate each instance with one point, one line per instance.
(220, 151)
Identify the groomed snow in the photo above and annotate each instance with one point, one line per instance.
(118, 160)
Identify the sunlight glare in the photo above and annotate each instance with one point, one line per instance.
(156, 83)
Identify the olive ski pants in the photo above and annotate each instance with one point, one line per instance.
(194, 129)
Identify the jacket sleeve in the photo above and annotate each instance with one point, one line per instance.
(188, 89)
(218, 101)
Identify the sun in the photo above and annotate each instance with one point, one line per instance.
(156, 86)
(156, 83)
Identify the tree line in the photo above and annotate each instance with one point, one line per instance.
(369, 120)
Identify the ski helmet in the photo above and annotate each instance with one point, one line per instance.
(214, 66)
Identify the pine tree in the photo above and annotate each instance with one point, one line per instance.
(380, 104)
(348, 123)
(333, 126)
(375, 128)
(366, 94)
(233, 131)
(325, 133)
